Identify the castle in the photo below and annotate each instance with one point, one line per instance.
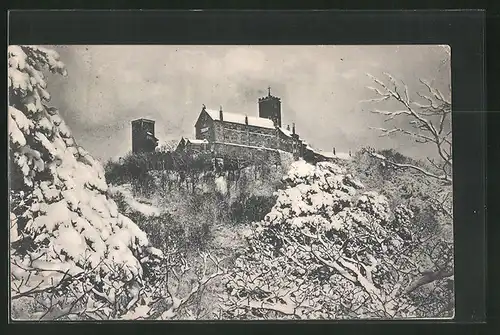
(238, 135)
(223, 132)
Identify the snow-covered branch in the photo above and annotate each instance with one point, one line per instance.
(444, 177)
(431, 121)
(428, 277)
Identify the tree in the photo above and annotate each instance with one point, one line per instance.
(428, 122)
(327, 251)
(70, 246)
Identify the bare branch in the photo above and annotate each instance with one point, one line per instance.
(427, 278)
(444, 177)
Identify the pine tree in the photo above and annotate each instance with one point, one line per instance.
(69, 244)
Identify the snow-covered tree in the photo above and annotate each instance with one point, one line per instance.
(428, 122)
(71, 250)
(427, 114)
(327, 250)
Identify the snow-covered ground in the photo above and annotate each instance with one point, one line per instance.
(126, 191)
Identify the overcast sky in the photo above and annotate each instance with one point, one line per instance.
(320, 87)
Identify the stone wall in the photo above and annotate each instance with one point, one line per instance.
(246, 135)
(247, 153)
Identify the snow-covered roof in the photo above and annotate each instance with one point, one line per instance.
(339, 155)
(195, 141)
(143, 119)
(247, 146)
(240, 118)
(286, 132)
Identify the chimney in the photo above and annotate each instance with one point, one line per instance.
(288, 127)
(246, 120)
(293, 128)
(349, 153)
(221, 116)
(334, 150)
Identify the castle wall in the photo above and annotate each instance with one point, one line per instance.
(225, 132)
(218, 131)
(245, 135)
(246, 153)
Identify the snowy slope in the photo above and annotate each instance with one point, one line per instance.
(304, 258)
(125, 191)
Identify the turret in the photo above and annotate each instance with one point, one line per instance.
(270, 108)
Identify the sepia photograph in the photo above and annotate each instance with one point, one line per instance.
(230, 182)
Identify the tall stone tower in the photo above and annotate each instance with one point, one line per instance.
(270, 108)
(143, 136)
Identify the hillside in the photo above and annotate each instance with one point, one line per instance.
(331, 248)
(216, 212)
(201, 205)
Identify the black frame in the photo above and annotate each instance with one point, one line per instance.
(464, 31)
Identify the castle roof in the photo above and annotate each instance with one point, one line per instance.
(240, 119)
(143, 119)
(269, 97)
(286, 132)
(289, 134)
(195, 141)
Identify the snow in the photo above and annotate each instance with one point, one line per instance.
(376, 155)
(19, 80)
(126, 192)
(195, 141)
(17, 57)
(55, 214)
(22, 122)
(323, 194)
(240, 119)
(45, 125)
(71, 213)
(299, 170)
(337, 155)
(320, 219)
(286, 132)
(15, 135)
(71, 242)
(49, 192)
(221, 185)
(246, 146)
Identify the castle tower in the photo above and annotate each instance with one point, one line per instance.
(270, 108)
(143, 136)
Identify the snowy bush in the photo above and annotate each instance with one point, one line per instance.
(430, 224)
(68, 240)
(327, 250)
